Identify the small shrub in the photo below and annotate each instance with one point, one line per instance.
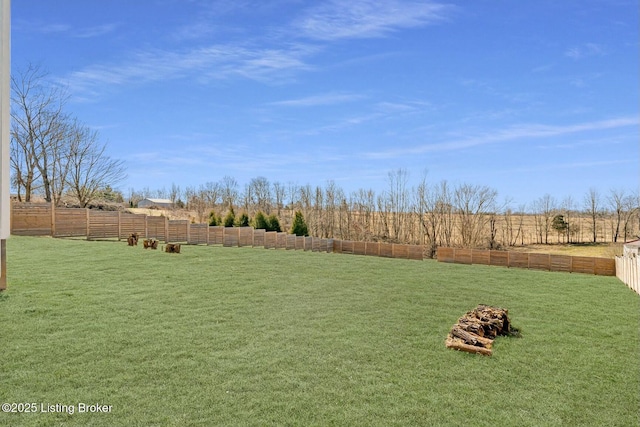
(260, 221)
(299, 226)
(242, 220)
(230, 218)
(214, 219)
(273, 224)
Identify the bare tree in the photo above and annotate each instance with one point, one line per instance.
(280, 192)
(622, 206)
(591, 203)
(38, 130)
(229, 188)
(544, 209)
(472, 205)
(90, 169)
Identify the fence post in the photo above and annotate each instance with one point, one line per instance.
(88, 223)
(53, 220)
(119, 225)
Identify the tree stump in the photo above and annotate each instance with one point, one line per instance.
(173, 248)
(150, 243)
(133, 239)
(476, 330)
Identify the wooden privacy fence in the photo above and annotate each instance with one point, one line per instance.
(40, 219)
(628, 270)
(549, 262)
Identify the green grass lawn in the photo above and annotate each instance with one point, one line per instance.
(255, 337)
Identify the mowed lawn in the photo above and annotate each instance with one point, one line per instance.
(254, 337)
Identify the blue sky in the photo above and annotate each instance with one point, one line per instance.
(527, 97)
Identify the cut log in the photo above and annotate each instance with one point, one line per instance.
(459, 345)
(471, 338)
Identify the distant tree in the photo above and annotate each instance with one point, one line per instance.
(559, 224)
(273, 224)
(260, 221)
(592, 202)
(214, 219)
(89, 167)
(242, 220)
(299, 226)
(230, 218)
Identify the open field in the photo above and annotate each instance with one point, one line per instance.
(600, 250)
(240, 336)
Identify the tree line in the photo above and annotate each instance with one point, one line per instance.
(428, 213)
(54, 155)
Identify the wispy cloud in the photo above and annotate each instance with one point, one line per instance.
(518, 132)
(584, 51)
(65, 29)
(332, 98)
(339, 19)
(207, 63)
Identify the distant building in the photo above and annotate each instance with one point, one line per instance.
(632, 248)
(157, 203)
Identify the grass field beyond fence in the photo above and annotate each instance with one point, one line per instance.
(240, 336)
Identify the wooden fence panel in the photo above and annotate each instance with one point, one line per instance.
(103, 225)
(581, 264)
(400, 251)
(499, 258)
(328, 243)
(446, 254)
(416, 252)
(628, 271)
(31, 219)
(231, 237)
(216, 235)
(604, 267)
(347, 247)
(560, 263)
(270, 239)
(198, 234)
(258, 237)
(316, 244)
(299, 245)
(70, 222)
(372, 248)
(359, 248)
(386, 250)
(290, 242)
(281, 240)
(131, 223)
(308, 243)
(337, 246)
(518, 260)
(178, 230)
(480, 257)
(156, 227)
(463, 256)
(540, 261)
(246, 236)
